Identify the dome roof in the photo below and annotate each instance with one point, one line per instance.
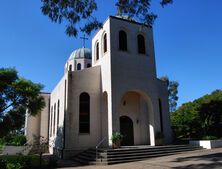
(81, 53)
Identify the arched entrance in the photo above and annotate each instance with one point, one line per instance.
(126, 129)
(137, 106)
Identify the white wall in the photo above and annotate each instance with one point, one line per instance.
(115, 74)
(89, 81)
(136, 108)
(105, 64)
(163, 96)
(131, 71)
(56, 138)
(36, 126)
(124, 71)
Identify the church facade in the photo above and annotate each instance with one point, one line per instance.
(111, 88)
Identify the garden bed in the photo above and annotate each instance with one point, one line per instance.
(27, 162)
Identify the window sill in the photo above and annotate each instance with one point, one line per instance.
(143, 54)
(84, 134)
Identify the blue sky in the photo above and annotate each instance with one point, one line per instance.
(187, 37)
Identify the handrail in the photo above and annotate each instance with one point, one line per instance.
(27, 143)
(97, 146)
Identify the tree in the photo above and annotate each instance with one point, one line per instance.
(17, 95)
(200, 118)
(74, 11)
(172, 87)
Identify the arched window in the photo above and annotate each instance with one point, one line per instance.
(79, 66)
(84, 112)
(97, 51)
(51, 114)
(141, 44)
(105, 43)
(70, 67)
(54, 123)
(161, 115)
(122, 41)
(88, 65)
(58, 114)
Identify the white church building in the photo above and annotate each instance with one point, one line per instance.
(111, 88)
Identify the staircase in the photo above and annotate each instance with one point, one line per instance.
(129, 154)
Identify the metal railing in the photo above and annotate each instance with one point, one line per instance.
(98, 145)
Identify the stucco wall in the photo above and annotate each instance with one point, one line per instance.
(163, 96)
(58, 94)
(105, 63)
(124, 71)
(36, 126)
(131, 71)
(89, 81)
(135, 107)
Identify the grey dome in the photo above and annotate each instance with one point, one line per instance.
(81, 53)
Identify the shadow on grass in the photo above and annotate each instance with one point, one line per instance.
(211, 161)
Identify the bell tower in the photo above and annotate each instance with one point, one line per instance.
(124, 50)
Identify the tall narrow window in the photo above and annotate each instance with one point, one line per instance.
(54, 120)
(78, 66)
(105, 43)
(84, 112)
(97, 51)
(70, 67)
(50, 132)
(122, 41)
(141, 44)
(58, 104)
(161, 115)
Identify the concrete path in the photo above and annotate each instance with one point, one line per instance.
(201, 159)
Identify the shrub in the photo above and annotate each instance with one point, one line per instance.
(116, 137)
(209, 138)
(13, 166)
(14, 140)
(19, 140)
(22, 162)
(2, 163)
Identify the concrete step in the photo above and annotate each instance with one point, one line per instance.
(136, 152)
(129, 154)
(144, 155)
(150, 150)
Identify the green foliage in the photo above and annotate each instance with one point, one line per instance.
(209, 138)
(19, 140)
(25, 162)
(200, 118)
(16, 162)
(74, 12)
(172, 87)
(16, 96)
(13, 166)
(116, 137)
(13, 139)
(3, 163)
(71, 11)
